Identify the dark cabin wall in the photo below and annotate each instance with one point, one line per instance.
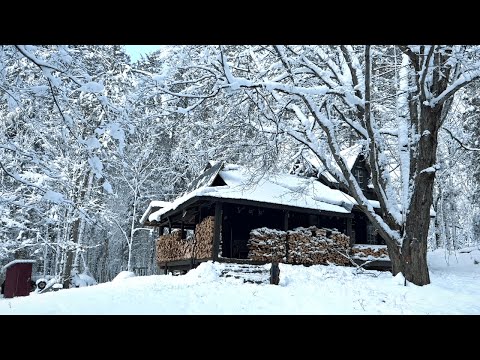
(205, 210)
(359, 232)
(364, 232)
(239, 220)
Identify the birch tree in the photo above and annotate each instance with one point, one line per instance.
(61, 119)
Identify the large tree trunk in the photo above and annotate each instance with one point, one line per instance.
(413, 260)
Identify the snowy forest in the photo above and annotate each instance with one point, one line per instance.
(88, 138)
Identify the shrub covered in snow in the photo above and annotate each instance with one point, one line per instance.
(83, 279)
(123, 275)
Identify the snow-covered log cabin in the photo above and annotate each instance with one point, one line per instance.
(224, 216)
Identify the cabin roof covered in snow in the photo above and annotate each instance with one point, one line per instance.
(349, 154)
(207, 177)
(280, 189)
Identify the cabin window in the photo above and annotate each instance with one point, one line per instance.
(371, 234)
(360, 177)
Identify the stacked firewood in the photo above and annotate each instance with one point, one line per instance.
(305, 246)
(267, 244)
(171, 247)
(368, 251)
(317, 246)
(204, 232)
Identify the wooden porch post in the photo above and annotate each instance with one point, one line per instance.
(216, 233)
(349, 230)
(285, 227)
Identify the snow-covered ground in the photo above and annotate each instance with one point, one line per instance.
(455, 289)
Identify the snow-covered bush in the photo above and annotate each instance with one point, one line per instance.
(123, 275)
(83, 279)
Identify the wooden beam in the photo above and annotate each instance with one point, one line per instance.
(349, 231)
(180, 264)
(285, 227)
(200, 213)
(285, 220)
(216, 233)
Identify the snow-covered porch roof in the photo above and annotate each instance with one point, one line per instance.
(280, 189)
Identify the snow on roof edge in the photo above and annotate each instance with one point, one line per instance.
(233, 191)
(156, 216)
(153, 203)
(18, 261)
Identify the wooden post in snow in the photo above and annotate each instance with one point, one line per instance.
(285, 227)
(274, 273)
(216, 233)
(349, 231)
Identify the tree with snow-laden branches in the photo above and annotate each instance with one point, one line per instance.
(391, 99)
(88, 138)
(62, 118)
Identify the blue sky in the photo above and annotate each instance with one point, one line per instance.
(136, 50)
